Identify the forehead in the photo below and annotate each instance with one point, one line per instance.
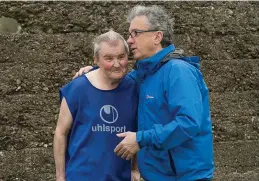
(139, 23)
(112, 48)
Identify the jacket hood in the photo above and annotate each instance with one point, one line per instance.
(179, 54)
(193, 60)
(152, 64)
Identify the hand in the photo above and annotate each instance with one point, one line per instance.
(135, 175)
(83, 71)
(60, 179)
(128, 147)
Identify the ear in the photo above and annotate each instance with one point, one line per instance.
(95, 60)
(158, 37)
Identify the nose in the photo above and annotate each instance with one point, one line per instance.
(116, 63)
(130, 40)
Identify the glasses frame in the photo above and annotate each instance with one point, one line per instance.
(137, 32)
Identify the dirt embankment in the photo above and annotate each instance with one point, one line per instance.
(55, 40)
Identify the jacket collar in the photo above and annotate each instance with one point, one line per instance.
(151, 64)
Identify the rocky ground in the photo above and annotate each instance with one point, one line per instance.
(55, 40)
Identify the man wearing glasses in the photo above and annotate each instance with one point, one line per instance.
(174, 139)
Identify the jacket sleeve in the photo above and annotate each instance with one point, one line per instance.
(185, 104)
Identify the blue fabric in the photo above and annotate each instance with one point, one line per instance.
(98, 115)
(174, 123)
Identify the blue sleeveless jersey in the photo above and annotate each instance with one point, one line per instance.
(98, 115)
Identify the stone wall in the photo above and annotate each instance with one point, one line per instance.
(55, 41)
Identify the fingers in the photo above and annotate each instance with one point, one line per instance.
(118, 148)
(84, 70)
(123, 153)
(126, 155)
(133, 178)
(129, 156)
(75, 75)
(135, 175)
(120, 152)
(81, 71)
(122, 135)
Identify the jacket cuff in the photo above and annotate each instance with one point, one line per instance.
(143, 138)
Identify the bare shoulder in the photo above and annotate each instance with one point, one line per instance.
(91, 75)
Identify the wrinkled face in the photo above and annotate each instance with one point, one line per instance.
(142, 44)
(112, 60)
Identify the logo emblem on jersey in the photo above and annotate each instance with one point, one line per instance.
(149, 97)
(109, 114)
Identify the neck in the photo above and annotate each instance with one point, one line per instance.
(158, 49)
(106, 82)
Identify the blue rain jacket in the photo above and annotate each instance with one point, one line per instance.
(174, 123)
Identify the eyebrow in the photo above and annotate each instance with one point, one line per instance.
(133, 30)
(108, 55)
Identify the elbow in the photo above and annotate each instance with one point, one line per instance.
(190, 126)
(59, 134)
(192, 130)
(195, 130)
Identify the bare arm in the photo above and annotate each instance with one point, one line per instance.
(135, 175)
(60, 139)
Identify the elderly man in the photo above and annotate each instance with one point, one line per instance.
(94, 108)
(174, 140)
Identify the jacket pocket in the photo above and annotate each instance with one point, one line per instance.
(158, 161)
(172, 162)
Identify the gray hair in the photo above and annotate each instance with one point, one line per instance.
(110, 37)
(157, 20)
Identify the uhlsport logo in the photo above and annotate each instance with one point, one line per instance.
(108, 115)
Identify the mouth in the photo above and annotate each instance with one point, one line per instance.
(133, 49)
(117, 71)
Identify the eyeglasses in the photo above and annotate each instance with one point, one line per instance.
(135, 33)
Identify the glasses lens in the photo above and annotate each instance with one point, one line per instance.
(133, 34)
